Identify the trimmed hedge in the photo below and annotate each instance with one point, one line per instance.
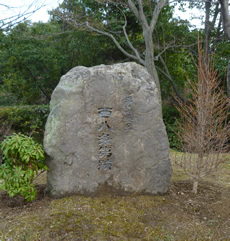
(28, 119)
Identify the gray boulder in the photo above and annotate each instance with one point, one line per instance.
(105, 133)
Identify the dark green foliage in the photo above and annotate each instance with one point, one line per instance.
(29, 120)
(22, 157)
(7, 99)
(170, 114)
(33, 57)
(30, 64)
(176, 41)
(222, 58)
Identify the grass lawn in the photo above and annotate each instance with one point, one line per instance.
(177, 215)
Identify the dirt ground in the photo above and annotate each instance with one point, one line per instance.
(177, 215)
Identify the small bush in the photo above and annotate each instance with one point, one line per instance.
(23, 158)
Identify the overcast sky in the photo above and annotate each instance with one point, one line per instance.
(19, 6)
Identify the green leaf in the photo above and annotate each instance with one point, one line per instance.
(18, 179)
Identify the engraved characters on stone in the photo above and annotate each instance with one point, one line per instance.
(104, 139)
(128, 113)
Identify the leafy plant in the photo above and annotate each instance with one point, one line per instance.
(22, 157)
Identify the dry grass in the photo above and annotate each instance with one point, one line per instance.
(221, 176)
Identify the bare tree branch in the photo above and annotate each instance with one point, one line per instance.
(142, 15)
(114, 40)
(14, 19)
(6, 6)
(130, 44)
(172, 46)
(167, 74)
(73, 22)
(160, 5)
(134, 10)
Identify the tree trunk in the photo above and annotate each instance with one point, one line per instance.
(228, 79)
(149, 59)
(207, 28)
(151, 68)
(195, 186)
(226, 25)
(225, 17)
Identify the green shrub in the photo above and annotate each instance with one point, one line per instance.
(22, 157)
(170, 114)
(7, 99)
(29, 120)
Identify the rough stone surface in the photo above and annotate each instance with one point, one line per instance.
(105, 133)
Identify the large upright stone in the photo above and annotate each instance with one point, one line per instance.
(105, 133)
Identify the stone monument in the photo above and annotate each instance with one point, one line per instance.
(105, 133)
